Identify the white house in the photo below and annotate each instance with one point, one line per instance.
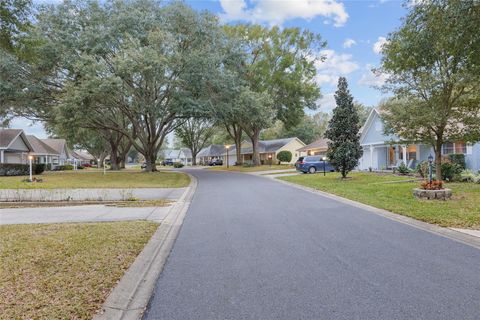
(14, 146)
(383, 152)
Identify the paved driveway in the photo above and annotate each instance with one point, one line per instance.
(252, 248)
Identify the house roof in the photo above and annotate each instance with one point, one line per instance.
(39, 147)
(82, 155)
(318, 144)
(7, 136)
(185, 153)
(213, 150)
(59, 145)
(268, 146)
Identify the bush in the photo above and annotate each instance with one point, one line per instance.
(80, 167)
(451, 171)
(469, 176)
(403, 169)
(434, 185)
(14, 169)
(422, 169)
(65, 167)
(39, 168)
(284, 156)
(178, 165)
(248, 164)
(458, 159)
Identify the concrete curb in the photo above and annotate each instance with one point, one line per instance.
(130, 297)
(445, 232)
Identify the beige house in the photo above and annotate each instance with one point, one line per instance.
(318, 147)
(14, 146)
(268, 149)
(41, 152)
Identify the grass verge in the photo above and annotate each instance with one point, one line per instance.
(93, 179)
(390, 193)
(255, 169)
(65, 271)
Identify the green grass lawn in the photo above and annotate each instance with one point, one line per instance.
(65, 271)
(255, 169)
(94, 179)
(377, 190)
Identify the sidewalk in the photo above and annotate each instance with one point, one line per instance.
(92, 213)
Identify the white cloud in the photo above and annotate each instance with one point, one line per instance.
(372, 79)
(348, 43)
(327, 102)
(276, 12)
(335, 65)
(377, 46)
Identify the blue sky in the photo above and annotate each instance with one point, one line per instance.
(354, 31)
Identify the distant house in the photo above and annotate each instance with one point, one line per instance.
(14, 146)
(213, 151)
(42, 152)
(82, 157)
(318, 147)
(383, 152)
(183, 155)
(266, 148)
(63, 155)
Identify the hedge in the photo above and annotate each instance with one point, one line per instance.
(15, 169)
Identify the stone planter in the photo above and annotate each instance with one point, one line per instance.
(444, 194)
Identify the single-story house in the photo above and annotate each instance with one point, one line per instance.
(213, 151)
(82, 157)
(63, 155)
(14, 146)
(318, 147)
(183, 155)
(383, 152)
(42, 152)
(266, 148)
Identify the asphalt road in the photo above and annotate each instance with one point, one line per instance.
(252, 248)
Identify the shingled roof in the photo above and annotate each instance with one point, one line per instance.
(7, 136)
(39, 147)
(321, 144)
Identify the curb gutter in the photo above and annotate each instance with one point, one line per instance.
(130, 297)
(445, 232)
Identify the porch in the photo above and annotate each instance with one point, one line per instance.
(389, 156)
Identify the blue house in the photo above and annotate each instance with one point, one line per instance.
(384, 152)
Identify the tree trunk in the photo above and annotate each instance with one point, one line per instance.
(238, 149)
(194, 158)
(114, 161)
(438, 159)
(255, 141)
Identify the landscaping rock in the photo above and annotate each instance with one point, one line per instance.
(444, 194)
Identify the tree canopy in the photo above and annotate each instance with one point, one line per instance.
(433, 64)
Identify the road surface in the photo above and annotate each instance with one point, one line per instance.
(252, 248)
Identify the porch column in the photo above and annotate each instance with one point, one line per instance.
(404, 154)
(371, 156)
(2, 156)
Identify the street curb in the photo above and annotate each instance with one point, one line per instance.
(445, 232)
(130, 297)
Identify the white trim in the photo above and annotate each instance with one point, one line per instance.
(469, 148)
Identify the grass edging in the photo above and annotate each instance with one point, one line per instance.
(129, 299)
(442, 231)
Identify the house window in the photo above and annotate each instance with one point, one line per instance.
(457, 147)
(412, 152)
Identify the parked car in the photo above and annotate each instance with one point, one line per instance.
(312, 164)
(167, 162)
(215, 162)
(300, 159)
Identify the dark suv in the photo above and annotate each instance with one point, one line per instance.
(312, 164)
